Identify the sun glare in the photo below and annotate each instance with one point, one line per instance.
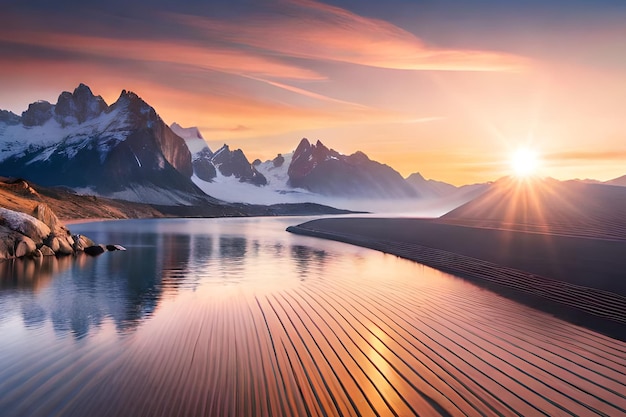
(524, 162)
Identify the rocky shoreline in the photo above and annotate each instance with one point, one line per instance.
(41, 233)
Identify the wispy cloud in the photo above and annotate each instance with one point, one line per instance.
(313, 30)
(238, 128)
(228, 60)
(604, 155)
(307, 93)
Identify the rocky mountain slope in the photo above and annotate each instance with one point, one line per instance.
(225, 162)
(124, 150)
(325, 171)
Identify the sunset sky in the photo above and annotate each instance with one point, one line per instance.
(446, 88)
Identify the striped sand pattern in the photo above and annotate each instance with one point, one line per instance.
(603, 304)
(361, 343)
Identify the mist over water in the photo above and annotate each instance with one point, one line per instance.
(239, 317)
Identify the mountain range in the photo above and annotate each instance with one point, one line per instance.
(122, 151)
(126, 151)
(312, 172)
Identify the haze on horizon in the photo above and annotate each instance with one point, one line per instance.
(450, 91)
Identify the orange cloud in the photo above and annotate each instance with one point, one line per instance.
(308, 29)
(615, 155)
(226, 60)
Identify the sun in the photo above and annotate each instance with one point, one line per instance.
(524, 162)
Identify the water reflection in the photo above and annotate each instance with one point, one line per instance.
(233, 248)
(76, 294)
(31, 273)
(233, 317)
(307, 260)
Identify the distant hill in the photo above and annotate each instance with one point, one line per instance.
(547, 206)
(621, 181)
(438, 189)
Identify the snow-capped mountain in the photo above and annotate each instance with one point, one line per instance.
(224, 162)
(325, 171)
(193, 138)
(234, 163)
(124, 150)
(201, 154)
(280, 190)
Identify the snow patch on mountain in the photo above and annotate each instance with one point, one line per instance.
(108, 129)
(193, 138)
(231, 189)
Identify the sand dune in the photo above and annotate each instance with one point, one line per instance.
(569, 208)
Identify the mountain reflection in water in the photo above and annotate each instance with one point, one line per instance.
(76, 293)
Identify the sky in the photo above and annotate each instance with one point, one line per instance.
(446, 88)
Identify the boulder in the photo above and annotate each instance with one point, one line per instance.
(43, 213)
(52, 242)
(24, 224)
(65, 247)
(46, 251)
(7, 243)
(94, 250)
(25, 247)
(81, 242)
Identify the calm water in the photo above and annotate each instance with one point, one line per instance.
(238, 317)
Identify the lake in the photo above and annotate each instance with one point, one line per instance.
(213, 317)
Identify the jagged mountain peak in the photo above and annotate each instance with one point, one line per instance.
(223, 148)
(304, 142)
(323, 170)
(71, 108)
(9, 118)
(37, 113)
(124, 150)
(129, 98)
(138, 111)
(129, 95)
(229, 164)
(79, 106)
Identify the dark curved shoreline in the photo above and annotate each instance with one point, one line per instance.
(580, 280)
